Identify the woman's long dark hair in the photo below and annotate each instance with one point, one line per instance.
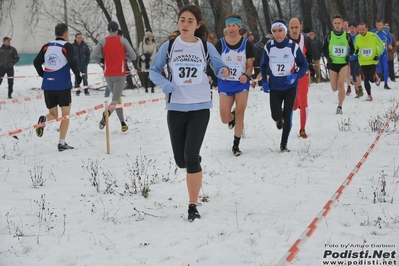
(202, 31)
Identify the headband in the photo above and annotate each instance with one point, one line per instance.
(279, 24)
(233, 20)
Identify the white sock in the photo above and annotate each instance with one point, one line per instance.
(62, 141)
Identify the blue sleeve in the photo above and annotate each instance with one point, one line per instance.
(157, 67)
(302, 64)
(264, 64)
(216, 61)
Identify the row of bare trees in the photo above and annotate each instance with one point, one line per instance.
(160, 16)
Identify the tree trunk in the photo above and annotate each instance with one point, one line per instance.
(280, 12)
(370, 14)
(252, 17)
(337, 7)
(138, 20)
(307, 13)
(356, 10)
(145, 16)
(122, 20)
(388, 12)
(324, 18)
(266, 14)
(220, 9)
(104, 9)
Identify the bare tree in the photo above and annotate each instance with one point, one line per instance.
(324, 19)
(145, 16)
(138, 20)
(371, 13)
(6, 7)
(338, 7)
(104, 9)
(181, 3)
(307, 12)
(388, 11)
(280, 12)
(266, 14)
(252, 17)
(122, 20)
(86, 17)
(356, 11)
(220, 9)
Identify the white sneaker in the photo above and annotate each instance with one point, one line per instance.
(377, 81)
(339, 111)
(369, 98)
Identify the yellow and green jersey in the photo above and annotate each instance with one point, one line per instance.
(368, 46)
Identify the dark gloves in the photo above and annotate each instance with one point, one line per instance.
(376, 58)
(78, 79)
(347, 58)
(102, 63)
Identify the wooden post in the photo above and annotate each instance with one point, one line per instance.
(107, 128)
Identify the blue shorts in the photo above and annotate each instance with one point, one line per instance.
(355, 69)
(230, 88)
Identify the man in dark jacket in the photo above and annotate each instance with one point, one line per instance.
(317, 50)
(8, 58)
(82, 57)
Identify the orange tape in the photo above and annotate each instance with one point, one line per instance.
(78, 113)
(295, 248)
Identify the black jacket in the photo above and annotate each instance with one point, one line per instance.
(82, 53)
(8, 56)
(317, 48)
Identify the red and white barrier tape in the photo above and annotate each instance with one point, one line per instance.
(78, 113)
(21, 100)
(296, 247)
(89, 86)
(37, 76)
(38, 97)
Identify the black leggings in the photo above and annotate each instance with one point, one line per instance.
(369, 74)
(145, 79)
(187, 131)
(10, 73)
(276, 100)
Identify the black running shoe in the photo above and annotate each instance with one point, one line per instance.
(283, 148)
(40, 130)
(101, 125)
(193, 213)
(124, 127)
(236, 151)
(386, 87)
(280, 123)
(64, 147)
(232, 123)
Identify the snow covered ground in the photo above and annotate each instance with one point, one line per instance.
(254, 207)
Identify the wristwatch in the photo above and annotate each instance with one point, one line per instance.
(248, 76)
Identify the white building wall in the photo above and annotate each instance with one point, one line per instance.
(26, 40)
